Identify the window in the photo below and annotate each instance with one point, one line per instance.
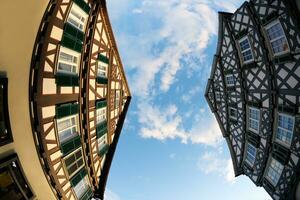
(250, 154)
(246, 50)
(274, 171)
(285, 128)
(67, 128)
(12, 181)
(277, 38)
(74, 162)
(229, 80)
(81, 187)
(102, 141)
(101, 115)
(77, 17)
(254, 118)
(233, 113)
(68, 61)
(117, 98)
(102, 69)
(5, 131)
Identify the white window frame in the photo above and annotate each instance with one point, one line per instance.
(62, 60)
(79, 167)
(117, 98)
(242, 51)
(77, 17)
(256, 120)
(285, 142)
(247, 155)
(102, 141)
(102, 69)
(100, 115)
(268, 26)
(235, 110)
(81, 187)
(276, 167)
(61, 130)
(229, 76)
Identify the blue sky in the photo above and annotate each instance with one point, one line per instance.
(171, 147)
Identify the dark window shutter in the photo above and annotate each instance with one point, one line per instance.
(70, 145)
(103, 58)
(104, 150)
(65, 110)
(101, 104)
(73, 31)
(281, 153)
(101, 80)
(101, 129)
(72, 43)
(253, 138)
(78, 177)
(68, 80)
(83, 5)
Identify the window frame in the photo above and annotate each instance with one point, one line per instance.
(87, 186)
(268, 169)
(101, 115)
(105, 140)
(117, 98)
(246, 154)
(235, 110)
(9, 137)
(72, 53)
(277, 127)
(268, 26)
(6, 162)
(76, 126)
(68, 156)
(82, 14)
(242, 51)
(248, 119)
(227, 84)
(102, 64)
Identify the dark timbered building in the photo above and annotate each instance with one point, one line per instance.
(254, 93)
(78, 99)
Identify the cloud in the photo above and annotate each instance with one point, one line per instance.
(186, 97)
(214, 163)
(110, 195)
(166, 123)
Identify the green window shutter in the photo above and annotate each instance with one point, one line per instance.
(78, 177)
(103, 58)
(101, 104)
(70, 145)
(101, 80)
(68, 80)
(101, 129)
(83, 5)
(72, 43)
(65, 110)
(73, 31)
(104, 150)
(87, 195)
(101, 132)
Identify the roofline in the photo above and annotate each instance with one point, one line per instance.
(222, 16)
(113, 41)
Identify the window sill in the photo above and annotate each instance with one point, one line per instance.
(282, 58)
(249, 65)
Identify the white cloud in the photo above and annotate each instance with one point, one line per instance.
(162, 124)
(214, 163)
(186, 97)
(110, 195)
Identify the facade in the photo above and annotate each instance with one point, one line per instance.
(254, 93)
(63, 99)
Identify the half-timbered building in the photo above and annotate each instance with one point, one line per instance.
(76, 103)
(254, 93)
